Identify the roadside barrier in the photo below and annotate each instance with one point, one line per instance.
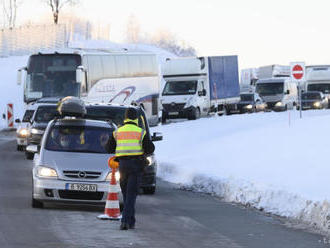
(10, 115)
(112, 210)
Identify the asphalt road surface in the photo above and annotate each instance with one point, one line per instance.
(170, 218)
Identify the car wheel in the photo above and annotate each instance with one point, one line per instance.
(149, 190)
(29, 155)
(37, 204)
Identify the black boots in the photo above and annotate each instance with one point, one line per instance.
(125, 226)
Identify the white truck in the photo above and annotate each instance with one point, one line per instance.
(95, 76)
(248, 80)
(195, 87)
(318, 79)
(273, 71)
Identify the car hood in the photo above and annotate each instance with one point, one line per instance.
(75, 161)
(246, 102)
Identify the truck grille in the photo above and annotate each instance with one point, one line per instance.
(80, 195)
(174, 107)
(82, 174)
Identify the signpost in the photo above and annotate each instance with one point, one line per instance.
(298, 76)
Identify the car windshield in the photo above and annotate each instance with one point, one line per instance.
(265, 89)
(311, 96)
(45, 114)
(247, 97)
(180, 88)
(78, 139)
(27, 115)
(324, 88)
(114, 114)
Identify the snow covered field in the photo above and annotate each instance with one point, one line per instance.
(254, 159)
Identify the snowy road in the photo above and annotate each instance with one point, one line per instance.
(170, 218)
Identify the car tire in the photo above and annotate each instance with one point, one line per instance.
(29, 155)
(37, 204)
(149, 190)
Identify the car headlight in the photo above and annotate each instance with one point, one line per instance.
(278, 104)
(248, 106)
(36, 131)
(317, 104)
(151, 160)
(117, 176)
(46, 172)
(23, 132)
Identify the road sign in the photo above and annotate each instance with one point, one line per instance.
(10, 115)
(298, 71)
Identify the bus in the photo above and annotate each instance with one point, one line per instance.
(127, 78)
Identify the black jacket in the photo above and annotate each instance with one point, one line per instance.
(148, 146)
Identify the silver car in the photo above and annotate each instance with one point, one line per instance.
(72, 166)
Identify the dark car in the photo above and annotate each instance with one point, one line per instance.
(39, 121)
(116, 115)
(251, 102)
(313, 100)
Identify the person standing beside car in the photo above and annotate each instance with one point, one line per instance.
(130, 145)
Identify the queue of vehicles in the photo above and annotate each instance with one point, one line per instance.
(109, 82)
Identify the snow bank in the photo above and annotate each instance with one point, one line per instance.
(254, 159)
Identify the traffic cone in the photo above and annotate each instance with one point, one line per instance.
(112, 210)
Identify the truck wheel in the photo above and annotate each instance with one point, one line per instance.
(195, 114)
(29, 155)
(163, 118)
(149, 190)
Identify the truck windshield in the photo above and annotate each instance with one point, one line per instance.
(311, 96)
(78, 139)
(324, 88)
(247, 97)
(266, 89)
(45, 114)
(51, 75)
(180, 88)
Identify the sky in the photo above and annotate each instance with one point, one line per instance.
(260, 32)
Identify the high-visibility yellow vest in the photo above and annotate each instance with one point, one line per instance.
(129, 139)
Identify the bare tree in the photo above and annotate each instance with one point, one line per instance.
(9, 8)
(133, 29)
(57, 5)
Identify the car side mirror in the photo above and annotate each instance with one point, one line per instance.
(17, 121)
(287, 92)
(3, 116)
(204, 92)
(157, 136)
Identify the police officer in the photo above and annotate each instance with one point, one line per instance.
(130, 144)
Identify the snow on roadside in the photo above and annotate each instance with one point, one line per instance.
(256, 160)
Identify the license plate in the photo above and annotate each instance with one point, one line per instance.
(173, 113)
(81, 187)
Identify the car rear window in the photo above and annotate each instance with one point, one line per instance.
(85, 139)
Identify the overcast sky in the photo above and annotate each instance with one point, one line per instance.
(260, 32)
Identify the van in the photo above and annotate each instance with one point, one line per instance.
(279, 94)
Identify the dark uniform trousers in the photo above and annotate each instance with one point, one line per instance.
(130, 179)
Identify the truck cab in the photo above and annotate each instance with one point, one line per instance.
(318, 79)
(279, 94)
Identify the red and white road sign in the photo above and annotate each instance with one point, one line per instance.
(10, 115)
(298, 71)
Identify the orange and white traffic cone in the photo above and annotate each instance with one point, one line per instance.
(112, 210)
